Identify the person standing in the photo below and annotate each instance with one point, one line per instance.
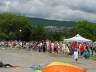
(52, 47)
(74, 47)
(40, 46)
(47, 44)
(76, 55)
(44, 47)
(81, 48)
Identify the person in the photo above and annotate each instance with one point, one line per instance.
(40, 46)
(5, 65)
(65, 49)
(86, 54)
(47, 45)
(52, 47)
(74, 46)
(82, 48)
(44, 47)
(75, 55)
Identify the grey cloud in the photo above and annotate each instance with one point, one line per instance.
(53, 9)
(83, 5)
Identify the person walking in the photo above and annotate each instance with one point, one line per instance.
(76, 54)
(74, 47)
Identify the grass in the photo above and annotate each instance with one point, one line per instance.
(62, 55)
(56, 55)
(93, 57)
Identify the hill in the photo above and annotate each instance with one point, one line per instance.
(45, 22)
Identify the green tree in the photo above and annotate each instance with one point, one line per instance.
(3, 36)
(39, 34)
(86, 29)
(54, 36)
(57, 36)
(11, 24)
(12, 36)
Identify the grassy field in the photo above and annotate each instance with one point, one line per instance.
(93, 57)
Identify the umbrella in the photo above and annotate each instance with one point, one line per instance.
(62, 67)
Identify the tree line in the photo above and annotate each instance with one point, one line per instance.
(14, 27)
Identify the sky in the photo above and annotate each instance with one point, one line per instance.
(66, 10)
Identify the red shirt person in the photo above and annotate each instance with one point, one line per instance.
(74, 46)
(82, 48)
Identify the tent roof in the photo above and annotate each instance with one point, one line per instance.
(78, 38)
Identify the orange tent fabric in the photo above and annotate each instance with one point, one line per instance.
(62, 63)
(61, 68)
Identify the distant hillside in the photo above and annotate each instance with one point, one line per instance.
(45, 22)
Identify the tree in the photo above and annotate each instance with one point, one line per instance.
(12, 36)
(11, 24)
(3, 36)
(54, 36)
(86, 29)
(39, 34)
(57, 36)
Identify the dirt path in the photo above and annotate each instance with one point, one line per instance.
(26, 59)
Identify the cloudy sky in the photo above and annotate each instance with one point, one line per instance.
(52, 9)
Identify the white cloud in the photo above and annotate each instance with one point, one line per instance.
(52, 9)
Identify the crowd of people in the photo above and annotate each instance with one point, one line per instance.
(40, 46)
(50, 46)
(72, 48)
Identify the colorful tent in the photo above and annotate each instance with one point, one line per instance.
(62, 67)
(78, 38)
(62, 63)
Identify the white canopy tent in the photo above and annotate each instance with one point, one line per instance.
(78, 38)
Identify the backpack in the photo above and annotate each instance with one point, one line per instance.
(86, 54)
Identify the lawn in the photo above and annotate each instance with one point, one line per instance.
(93, 57)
